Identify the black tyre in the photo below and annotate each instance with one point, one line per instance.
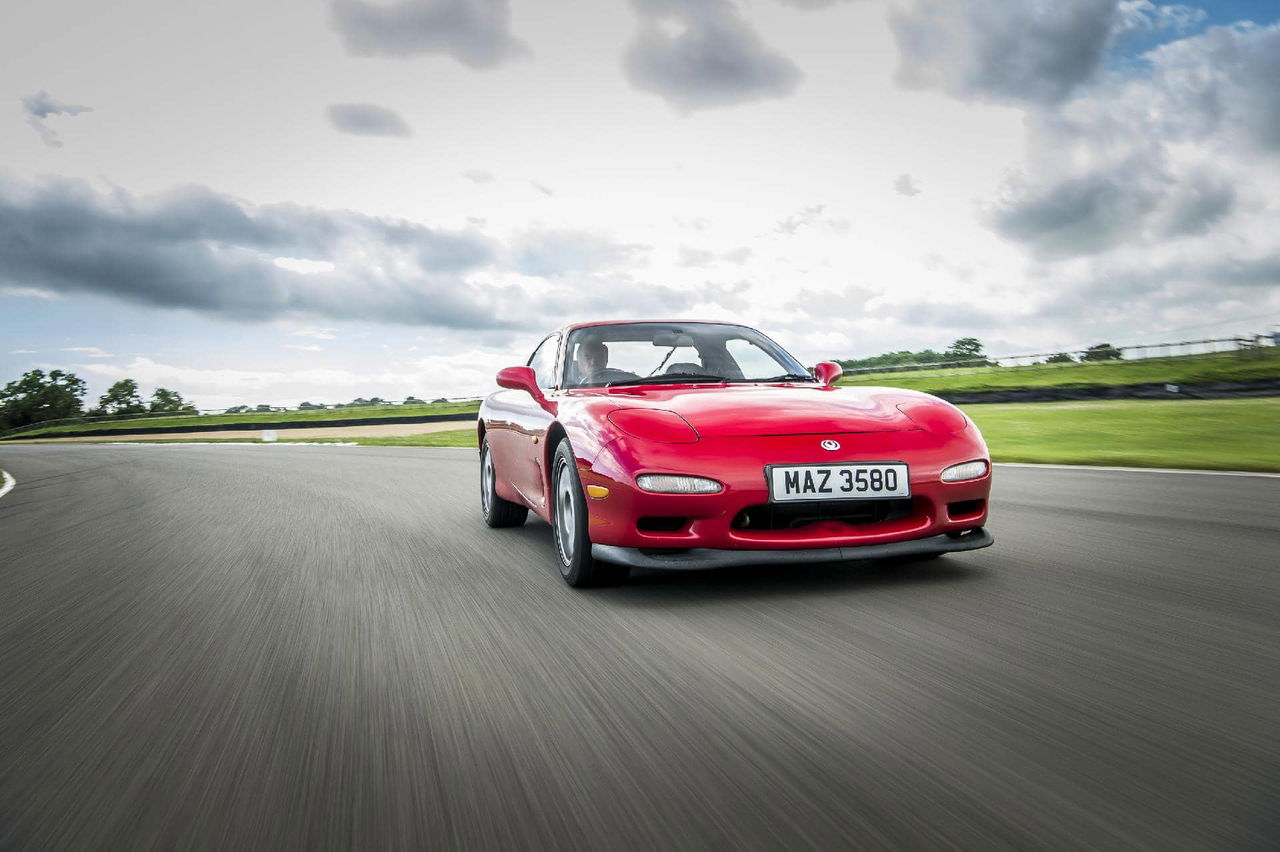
(569, 526)
(497, 511)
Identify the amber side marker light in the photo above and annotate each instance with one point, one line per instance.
(597, 491)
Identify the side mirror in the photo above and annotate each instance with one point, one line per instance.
(827, 372)
(520, 378)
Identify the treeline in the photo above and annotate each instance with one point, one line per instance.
(38, 397)
(358, 402)
(968, 352)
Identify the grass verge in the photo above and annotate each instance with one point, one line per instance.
(1220, 367)
(1217, 434)
(371, 413)
(449, 438)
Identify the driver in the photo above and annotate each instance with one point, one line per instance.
(592, 356)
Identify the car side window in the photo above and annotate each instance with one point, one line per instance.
(543, 362)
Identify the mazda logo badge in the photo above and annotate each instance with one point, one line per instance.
(830, 445)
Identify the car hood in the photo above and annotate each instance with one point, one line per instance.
(736, 411)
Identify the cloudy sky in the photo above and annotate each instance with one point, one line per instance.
(318, 199)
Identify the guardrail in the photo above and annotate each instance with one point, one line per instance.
(1243, 346)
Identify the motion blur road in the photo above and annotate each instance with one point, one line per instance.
(321, 647)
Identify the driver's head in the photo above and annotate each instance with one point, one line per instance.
(592, 356)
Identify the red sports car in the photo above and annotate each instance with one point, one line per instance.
(701, 444)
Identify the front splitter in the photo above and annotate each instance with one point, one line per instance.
(705, 557)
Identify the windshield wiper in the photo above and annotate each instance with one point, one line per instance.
(787, 377)
(667, 379)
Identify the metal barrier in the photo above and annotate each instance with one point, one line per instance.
(1254, 345)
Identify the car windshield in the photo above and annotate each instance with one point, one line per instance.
(668, 353)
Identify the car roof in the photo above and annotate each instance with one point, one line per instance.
(661, 321)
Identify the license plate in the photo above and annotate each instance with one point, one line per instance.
(862, 481)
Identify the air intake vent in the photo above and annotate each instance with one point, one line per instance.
(784, 516)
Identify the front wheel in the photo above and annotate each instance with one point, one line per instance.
(497, 511)
(569, 526)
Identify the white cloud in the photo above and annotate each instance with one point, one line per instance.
(40, 107)
(1145, 16)
(91, 351)
(368, 120)
(906, 185)
(29, 293)
(303, 266)
(1031, 51)
(474, 32)
(698, 54)
(802, 219)
(316, 333)
(464, 373)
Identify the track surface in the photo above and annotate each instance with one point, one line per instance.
(298, 647)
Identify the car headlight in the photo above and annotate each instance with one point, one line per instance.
(968, 470)
(664, 483)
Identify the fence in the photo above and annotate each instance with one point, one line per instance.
(1244, 346)
(1253, 345)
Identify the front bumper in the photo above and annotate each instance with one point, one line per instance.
(631, 518)
(704, 557)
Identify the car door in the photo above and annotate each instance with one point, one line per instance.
(529, 421)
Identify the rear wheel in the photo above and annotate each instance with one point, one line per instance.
(497, 511)
(569, 525)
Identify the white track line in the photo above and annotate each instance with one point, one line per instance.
(225, 443)
(1140, 469)
(9, 482)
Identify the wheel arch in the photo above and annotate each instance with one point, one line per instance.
(555, 434)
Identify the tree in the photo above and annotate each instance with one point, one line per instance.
(263, 408)
(170, 402)
(1102, 352)
(413, 400)
(308, 406)
(35, 398)
(237, 409)
(1060, 358)
(965, 349)
(122, 398)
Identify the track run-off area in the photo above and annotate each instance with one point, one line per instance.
(324, 647)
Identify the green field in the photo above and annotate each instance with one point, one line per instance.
(370, 412)
(451, 438)
(1245, 366)
(1218, 434)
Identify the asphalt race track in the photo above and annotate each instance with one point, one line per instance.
(320, 647)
